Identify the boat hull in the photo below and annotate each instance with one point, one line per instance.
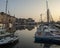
(46, 40)
(10, 43)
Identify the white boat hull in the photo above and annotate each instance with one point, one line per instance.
(9, 41)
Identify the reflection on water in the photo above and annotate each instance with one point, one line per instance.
(26, 39)
(46, 46)
(22, 27)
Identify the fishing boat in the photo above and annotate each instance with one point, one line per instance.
(47, 33)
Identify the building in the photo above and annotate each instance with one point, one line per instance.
(30, 21)
(6, 19)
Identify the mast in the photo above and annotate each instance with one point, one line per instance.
(6, 6)
(6, 23)
(41, 18)
(47, 12)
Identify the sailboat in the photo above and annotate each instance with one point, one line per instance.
(6, 37)
(47, 32)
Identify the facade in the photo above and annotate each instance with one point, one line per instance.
(5, 18)
(30, 21)
(23, 21)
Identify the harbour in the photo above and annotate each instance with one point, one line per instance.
(27, 40)
(39, 28)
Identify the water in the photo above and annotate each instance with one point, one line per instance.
(26, 40)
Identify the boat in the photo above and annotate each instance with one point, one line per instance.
(48, 35)
(47, 32)
(6, 37)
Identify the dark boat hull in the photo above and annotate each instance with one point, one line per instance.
(47, 40)
(10, 43)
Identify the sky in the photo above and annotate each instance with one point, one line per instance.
(31, 8)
